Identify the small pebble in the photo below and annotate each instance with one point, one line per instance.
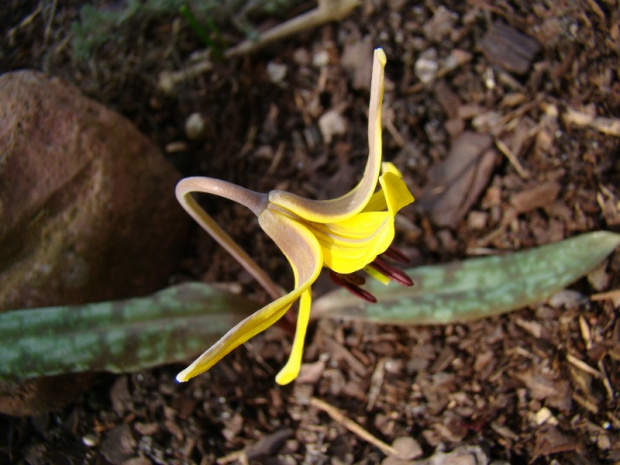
(331, 124)
(301, 56)
(407, 447)
(477, 220)
(320, 59)
(276, 72)
(195, 126)
(426, 66)
(90, 440)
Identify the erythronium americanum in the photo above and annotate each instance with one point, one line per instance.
(345, 234)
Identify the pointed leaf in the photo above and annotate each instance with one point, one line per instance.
(477, 287)
(126, 335)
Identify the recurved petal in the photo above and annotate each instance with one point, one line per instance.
(389, 167)
(397, 194)
(392, 187)
(327, 211)
(304, 254)
(290, 371)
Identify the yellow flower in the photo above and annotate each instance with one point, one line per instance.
(345, 234)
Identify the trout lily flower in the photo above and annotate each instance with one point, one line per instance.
(345, 234)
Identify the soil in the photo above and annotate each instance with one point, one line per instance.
(540, 385)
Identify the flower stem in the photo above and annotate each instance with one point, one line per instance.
(255, 201)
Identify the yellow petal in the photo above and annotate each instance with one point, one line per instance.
(327, 211)
(290, 371)
(351, 244)
(304, 254)
(396, 192)
(389, 167)
(396, 189)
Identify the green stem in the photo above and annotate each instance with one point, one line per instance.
(200, 31)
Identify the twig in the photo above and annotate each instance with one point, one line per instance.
(169, 79)
(376, 381)
(512, 159)
(585, 332)
(609, 126)
(585, 403)
(583, 366)
(237, 456)
(614, 294)
(48, 26)
(24, 22)
(339, 417)
(606, 382)
(326, 11)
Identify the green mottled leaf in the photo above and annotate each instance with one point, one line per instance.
(475, 288)
(175, 324)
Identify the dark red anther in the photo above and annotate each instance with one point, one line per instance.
(393, 273)
(396, 255)
(349, 283)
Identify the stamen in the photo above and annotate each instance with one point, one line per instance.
(394, 273)
(347, 281)
(396, 255)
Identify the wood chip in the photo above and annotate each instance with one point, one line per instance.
(339, 352)
(455, 184)
(534, 197)
(508, 48)
(269, 445)
(376, 381)
(549, 440)
(357, 60)
(609, 126)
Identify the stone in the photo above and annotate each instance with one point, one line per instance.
(87, 205)
(87, 213)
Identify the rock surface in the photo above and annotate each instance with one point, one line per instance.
(87, 202)
(87, 212)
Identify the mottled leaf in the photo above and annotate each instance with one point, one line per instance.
(175, 324)
(477, 287)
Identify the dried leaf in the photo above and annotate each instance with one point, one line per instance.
(455, 184)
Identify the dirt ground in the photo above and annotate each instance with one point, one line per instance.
(541, 79)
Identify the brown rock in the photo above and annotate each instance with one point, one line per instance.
(87, 213)
(87, 206)
(40, 395)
